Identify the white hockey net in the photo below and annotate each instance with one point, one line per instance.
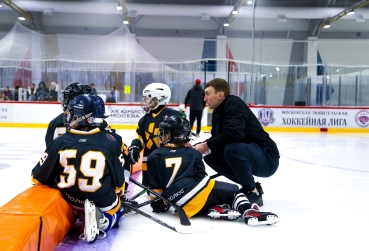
(118, 51)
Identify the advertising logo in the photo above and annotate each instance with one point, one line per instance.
(362, 118)
(265, 116)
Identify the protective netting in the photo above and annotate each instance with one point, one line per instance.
(118, 51)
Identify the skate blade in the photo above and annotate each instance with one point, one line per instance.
(231, 215)
(271, 220)
(90, 223)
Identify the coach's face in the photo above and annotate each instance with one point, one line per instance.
(213, 99)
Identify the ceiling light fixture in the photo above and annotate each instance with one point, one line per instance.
(226, 24)
(235, 12)
(125, 22)
(21, 18)
(1, 5)
(249, 2)
(326, 26)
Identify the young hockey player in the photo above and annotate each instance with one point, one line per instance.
(178, 173)
(88, 166)
(56, 126)
(155, 98)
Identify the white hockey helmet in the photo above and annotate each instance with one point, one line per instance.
(155, 94)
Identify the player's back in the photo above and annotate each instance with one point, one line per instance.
(89, 157)
(175, 168)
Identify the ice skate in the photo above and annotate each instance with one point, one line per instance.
(253, 217)
(224, 212)
(93, 222)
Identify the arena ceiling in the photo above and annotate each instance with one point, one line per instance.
(296, 19)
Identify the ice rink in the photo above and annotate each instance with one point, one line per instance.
(320, 193)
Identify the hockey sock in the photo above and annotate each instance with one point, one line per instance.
(241, 203)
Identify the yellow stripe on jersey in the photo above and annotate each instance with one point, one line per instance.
(121, 189)
(114, 209)
(151, 128)
(93, 131)
(34, 181)
(198, 202)
(156, 114)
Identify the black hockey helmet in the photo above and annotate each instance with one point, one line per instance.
(178, 127)
(85, 110)
(72, 91)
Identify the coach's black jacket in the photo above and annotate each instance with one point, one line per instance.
(233, 121)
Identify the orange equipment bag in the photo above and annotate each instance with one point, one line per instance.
(36, 219)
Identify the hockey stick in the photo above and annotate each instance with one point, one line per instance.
(138, 194)
(147, 202)
(181, 230)
(182, 215)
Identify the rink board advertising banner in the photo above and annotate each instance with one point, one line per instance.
(124, 114)
(6, 113)
(130, 114)
(312, 117)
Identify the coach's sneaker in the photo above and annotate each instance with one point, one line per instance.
(255, 198)
(259, 188)
(253, 217)
(224, 212)
(94, 222)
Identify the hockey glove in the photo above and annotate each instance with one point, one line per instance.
(129, 201)
(126, 200)
(134, 154)
(159, 206)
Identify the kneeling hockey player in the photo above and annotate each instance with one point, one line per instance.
(178, 174)
(88, 166)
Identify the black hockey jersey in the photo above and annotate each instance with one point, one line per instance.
(84, 165)
(55, 129)
(178, 173)
(148, 129)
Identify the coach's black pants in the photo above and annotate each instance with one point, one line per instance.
(240, 161)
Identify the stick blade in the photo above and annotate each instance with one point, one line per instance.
(193, 229)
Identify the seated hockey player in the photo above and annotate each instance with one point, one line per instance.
(56, 126)
(88, 166)
(178, 174)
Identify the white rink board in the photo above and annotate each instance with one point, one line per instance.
(269, 116)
